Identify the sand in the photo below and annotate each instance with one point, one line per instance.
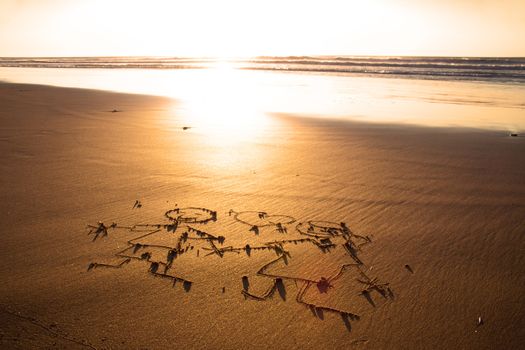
(435, 216)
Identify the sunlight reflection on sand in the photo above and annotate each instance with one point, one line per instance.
(225, 107)
(230, 104)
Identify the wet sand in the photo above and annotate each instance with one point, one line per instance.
(440, 210)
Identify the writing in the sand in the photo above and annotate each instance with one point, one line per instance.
(160, 247)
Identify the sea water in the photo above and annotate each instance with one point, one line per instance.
(485, 93)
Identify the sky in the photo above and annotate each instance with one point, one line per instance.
(231, 28)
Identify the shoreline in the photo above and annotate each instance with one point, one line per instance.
(221, 91)
(448, 203)
(314, 119)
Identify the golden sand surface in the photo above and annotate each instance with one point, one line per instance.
(127, 227)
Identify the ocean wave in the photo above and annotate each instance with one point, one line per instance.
(474, 68)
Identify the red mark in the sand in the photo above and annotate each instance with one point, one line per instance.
(323, 285)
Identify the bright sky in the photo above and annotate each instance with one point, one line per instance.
(269, 27)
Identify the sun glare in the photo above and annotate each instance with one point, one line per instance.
(225, 107)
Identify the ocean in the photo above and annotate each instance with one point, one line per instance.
(450, 68)
(484, 93)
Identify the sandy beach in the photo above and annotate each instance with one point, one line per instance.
(311, 233)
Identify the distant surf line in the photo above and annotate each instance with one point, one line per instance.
(442, 68)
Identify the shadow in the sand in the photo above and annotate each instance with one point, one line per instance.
(346, 321)
(255, 229)
(154, 267)
(186, 285)
(172, 227)
(312, 310)
(319, 313)
(245, 283)
(280, 288)
(368, 297)
(172, 254)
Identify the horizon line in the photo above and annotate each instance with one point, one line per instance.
(261, 56)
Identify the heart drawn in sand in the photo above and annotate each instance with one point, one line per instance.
(262, 219)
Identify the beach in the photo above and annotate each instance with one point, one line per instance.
(435, 219)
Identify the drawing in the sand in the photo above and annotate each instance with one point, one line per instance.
(184, 229)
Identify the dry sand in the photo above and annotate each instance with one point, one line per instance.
(450, 203)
